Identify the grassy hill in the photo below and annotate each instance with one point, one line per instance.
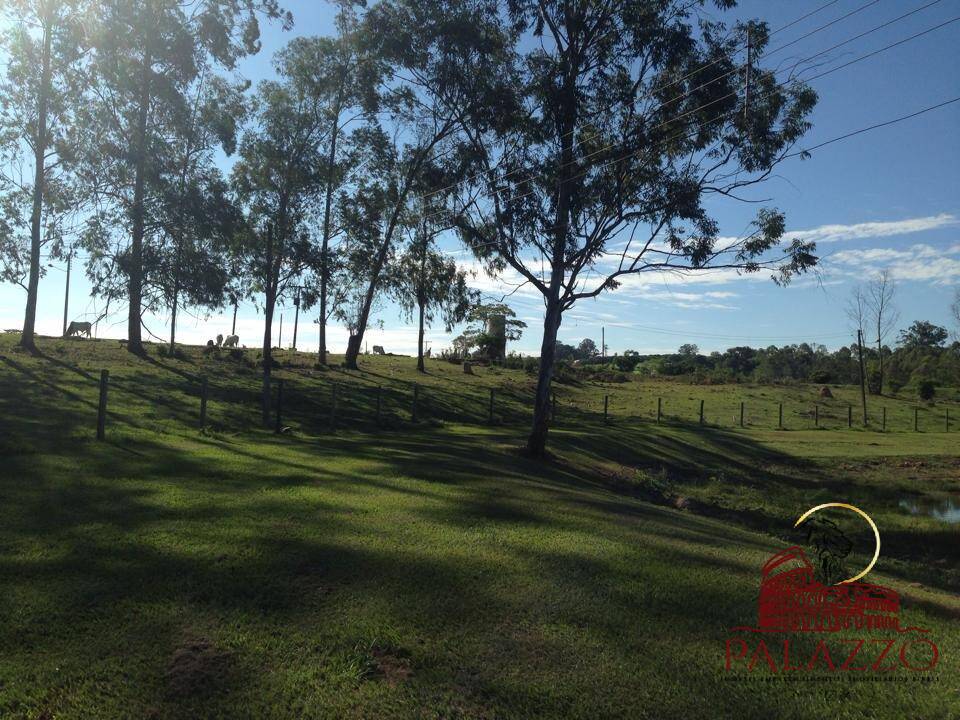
(426, 569)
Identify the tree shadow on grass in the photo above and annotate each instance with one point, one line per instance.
(188, 547)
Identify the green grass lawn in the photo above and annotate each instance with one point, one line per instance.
(423, 570)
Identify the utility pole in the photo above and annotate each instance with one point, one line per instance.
(280, 336)
(296, 317)
(863, 377)
(603, 344)
(66, 294)
(236, 303)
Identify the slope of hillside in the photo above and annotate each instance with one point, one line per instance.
(411, 570)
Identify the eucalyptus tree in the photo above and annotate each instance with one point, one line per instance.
(147, 54)
(197, 217)
(277, 179)
(616, 123)
(347, 76)
(445, 52)
(42, 43)
(429, 283)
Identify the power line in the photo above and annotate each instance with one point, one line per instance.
(874, 127)
(720, 99)
(723, 115)
(653, 91)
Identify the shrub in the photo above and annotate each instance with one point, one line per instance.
(926, 390)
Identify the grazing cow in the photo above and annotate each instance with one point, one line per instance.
(378, 350)
(78, 329)
(231, 341)
(426, 353)
(219, 340)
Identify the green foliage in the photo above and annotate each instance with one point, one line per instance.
(156, 115)
(926, 390)
(923, 334)
(41, 43)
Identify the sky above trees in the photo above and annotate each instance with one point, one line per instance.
(888, 199)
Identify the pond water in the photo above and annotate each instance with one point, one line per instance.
(946, 510)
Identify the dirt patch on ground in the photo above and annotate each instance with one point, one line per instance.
(390, 665)
(196, 668)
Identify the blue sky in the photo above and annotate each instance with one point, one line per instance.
(888, 199)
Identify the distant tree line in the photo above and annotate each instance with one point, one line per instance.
(922, 355)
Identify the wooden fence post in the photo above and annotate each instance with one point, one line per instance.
(659, 409)
(947, 420)
(203, 403)
(816, 414)
(780, 424)
(849, 416)
(741, 413)
(701, 412)
(416, 393)
(916, 419)
(102, 407)
(606, 406)
(883, 426)
(279, 422)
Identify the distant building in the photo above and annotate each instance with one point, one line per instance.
(497, 332)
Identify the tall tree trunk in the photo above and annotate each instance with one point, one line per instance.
(863, 377)
(422, 292)
(36, 215)
(420, 365)
(353, 345)
(356, 338)
(270, 301)
(265, 400)
(134, 342)
(181, 196)
(325, 243)
(537, 441)
(175, 302)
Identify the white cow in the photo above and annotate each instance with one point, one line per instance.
(378, 350)
(231, 341)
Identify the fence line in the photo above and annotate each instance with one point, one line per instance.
(503, 406)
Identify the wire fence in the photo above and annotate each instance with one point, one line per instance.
(312, 404)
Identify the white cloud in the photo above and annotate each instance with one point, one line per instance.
(921, 262)
(863, 231)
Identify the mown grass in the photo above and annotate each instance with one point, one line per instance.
(422, 570)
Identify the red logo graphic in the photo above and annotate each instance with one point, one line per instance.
(792, 600)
